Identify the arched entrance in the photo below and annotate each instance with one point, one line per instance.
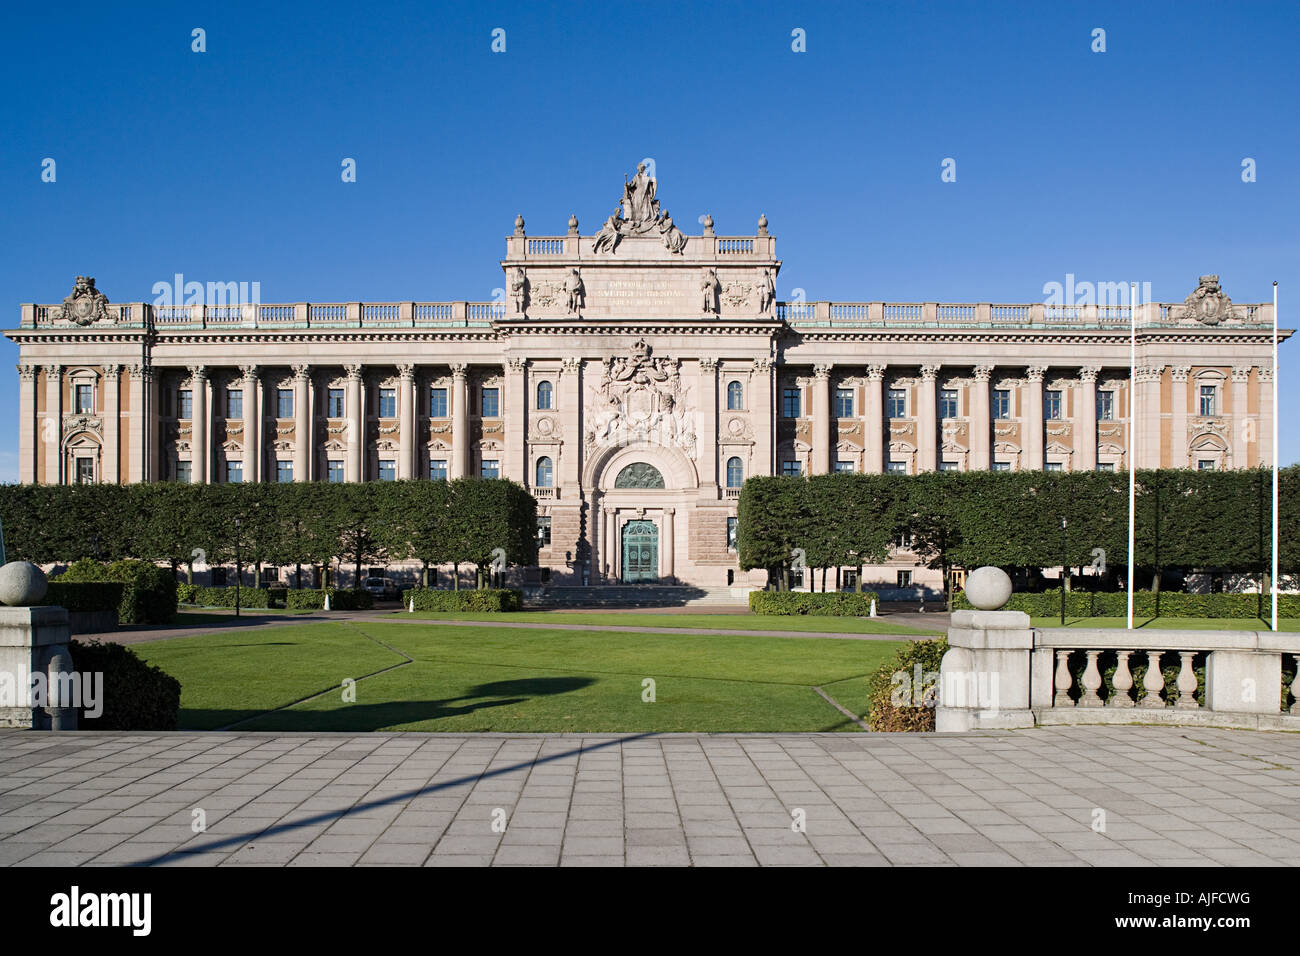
(640, 552)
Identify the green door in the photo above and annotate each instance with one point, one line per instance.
(640, 552)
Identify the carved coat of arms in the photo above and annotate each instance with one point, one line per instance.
(640, 398)
(86, 305)
(1208, 304)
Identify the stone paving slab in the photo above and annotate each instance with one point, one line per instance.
(1072, 796)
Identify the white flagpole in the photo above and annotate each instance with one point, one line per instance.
(1132, 437)
(1276, 411)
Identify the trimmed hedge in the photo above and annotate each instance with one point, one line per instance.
(1172, 604)
(225, 596)
(136, 695)
(898, 703)
(832, 604)
(149, 595)
(340, 600)
(87, 596)
(486, 599)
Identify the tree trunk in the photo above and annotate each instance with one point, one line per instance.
(455, 576)
(858, 586)
(189, 571)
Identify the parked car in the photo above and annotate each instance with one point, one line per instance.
(383, 588)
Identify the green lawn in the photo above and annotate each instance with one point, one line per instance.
(727, 622)
(1173, 623)
(514, 679)
(190, 616)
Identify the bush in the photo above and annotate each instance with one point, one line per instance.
(150, 593)
(898, 702)
(340, 600)
(225, 596)
(487, 599)
(136, 695)
(1172, 604)
(89, 596)
(838, 603)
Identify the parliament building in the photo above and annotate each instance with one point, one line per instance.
(632, 379)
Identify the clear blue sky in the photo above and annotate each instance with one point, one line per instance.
(224, 165)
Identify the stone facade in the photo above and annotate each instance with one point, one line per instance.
(631, 380)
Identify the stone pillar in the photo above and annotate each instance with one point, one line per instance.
(1034, 425)
(1178, 450)
(821, 423)
(927, 420)
(459, 421)
(1144, 416)
(569, 391)
(1240, 413)
(1264, 427)
(1085, 419)
(29, 428)
(981, 424)
(138, 425)
(515, 411)
(764, 411)
(611, 544)
(112, 472)
(153, 426)
(52, 426)
(667, 545)
(984, 679)
(198, 424)
(29, 638)
(406, 467)
(706, 428)
(302, 423)
(873, 421)
(252, 423)
(356, 423)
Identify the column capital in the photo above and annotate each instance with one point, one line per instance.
(822, 372)
(1241, 373)
(248, 372)
(406, 372)
(516, 363)
(458, 370)
(1150, 373)
(930, 372)
(1265, 374)
(1179, 373)
(27, 373)
(983, 372)
(53, 369)
(571, 363)
(708, 365)
(197, 372)
(1035, 373)
(301, 372)
(763, 365)
(112, 371)
(353, 372)
(670, 511)
(876, 373)
(1088, 373)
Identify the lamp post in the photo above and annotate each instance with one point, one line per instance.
(239, 568)
(1065, 569)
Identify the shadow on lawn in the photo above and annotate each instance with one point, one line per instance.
(362, 716)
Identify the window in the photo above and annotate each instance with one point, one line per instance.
(843, 466)
(733, 525)
(1205, 464)
(1105, 466)
(735, 473)
(545, 473)
(84, 399)
(948, 403)
(850, 579)
(1208, 404)
(234, 472)
(234, 403)
(388, 403)
(184, 403)
(896, 467)
(735, 396)
(218, 577)
(1002, 466)
(897, 406)
(1055, 466)
(790, 403)
(544, 393)
(949, 466)
(543, 531)
(438, 469)
(790, 469)
(437, 403)
(334, 403)
(903, 541)
(904, 579)
(1001, 403)
(844, 403)
(183, 471)
(335, 472)
(387, 470)
(491, 468)
(1052, 405)
(85, 471)
(1105, 406)
(490, 403)
(284, 472)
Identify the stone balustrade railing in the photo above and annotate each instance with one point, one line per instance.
(988, 315)
(296, 315)
(1000, 673)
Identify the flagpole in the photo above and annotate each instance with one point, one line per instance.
(1132, 437)
(1276, 410)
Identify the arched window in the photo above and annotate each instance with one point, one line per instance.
(735, 396)
(543, 394)
(639, 474)
(545, 473)
(735, 473)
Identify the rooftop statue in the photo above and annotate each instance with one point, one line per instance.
(640, 207)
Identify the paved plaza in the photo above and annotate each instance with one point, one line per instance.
(1071, 796)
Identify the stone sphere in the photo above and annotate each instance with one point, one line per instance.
(22, 584)
(988, 588)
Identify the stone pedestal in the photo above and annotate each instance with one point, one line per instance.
(984, 677)
(29, 638)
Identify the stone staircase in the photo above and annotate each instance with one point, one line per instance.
(635, 595)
